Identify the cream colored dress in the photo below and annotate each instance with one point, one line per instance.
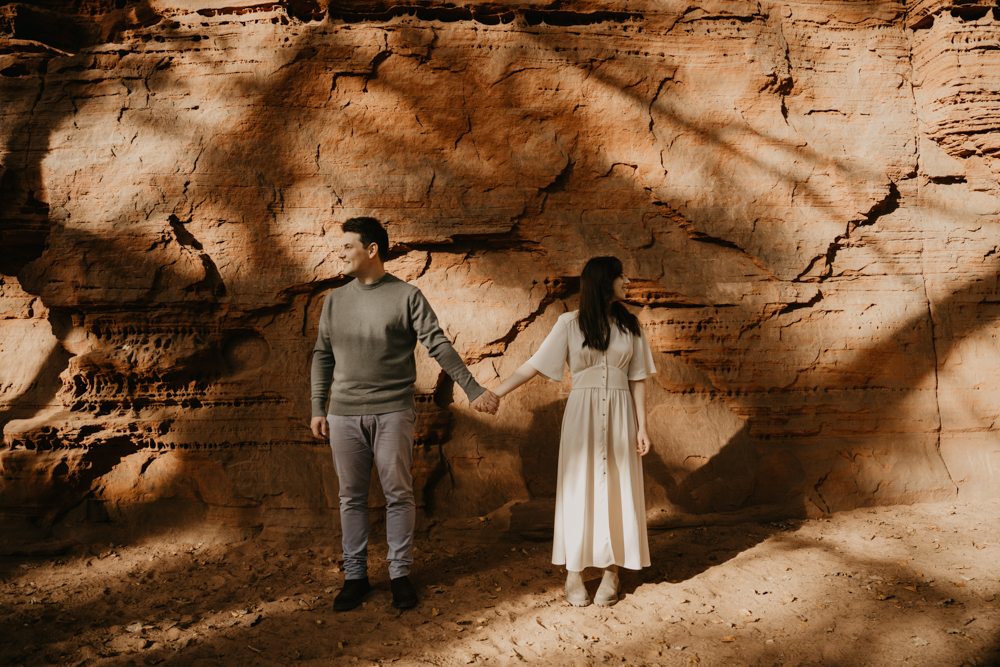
(600, 508)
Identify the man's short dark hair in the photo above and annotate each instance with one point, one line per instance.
(371, 231)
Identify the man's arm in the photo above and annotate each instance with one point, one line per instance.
(429, 334)
(320, 375)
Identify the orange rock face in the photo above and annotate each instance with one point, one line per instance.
(804, 195)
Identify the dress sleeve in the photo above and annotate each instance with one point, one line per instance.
(550, 359)
(641, 365)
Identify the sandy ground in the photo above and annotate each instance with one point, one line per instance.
(914, 585)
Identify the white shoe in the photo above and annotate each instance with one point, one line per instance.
(607, 594)
(576, 592)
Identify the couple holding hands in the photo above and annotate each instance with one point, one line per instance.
(362, 377)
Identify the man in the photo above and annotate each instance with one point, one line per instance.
(367, 333)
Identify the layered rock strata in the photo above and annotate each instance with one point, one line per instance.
(804, 195)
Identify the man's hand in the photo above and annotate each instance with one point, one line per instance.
(487, 402)
(320, 428)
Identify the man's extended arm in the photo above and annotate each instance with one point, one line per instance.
(431, 336)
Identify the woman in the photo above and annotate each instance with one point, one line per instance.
(600, 511)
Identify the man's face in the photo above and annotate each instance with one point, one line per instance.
(353, 255)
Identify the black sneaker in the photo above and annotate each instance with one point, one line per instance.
(404, 596)
(351, 595)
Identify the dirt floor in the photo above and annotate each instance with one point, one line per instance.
(913, 585)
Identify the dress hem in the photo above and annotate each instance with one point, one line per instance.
(602, 567)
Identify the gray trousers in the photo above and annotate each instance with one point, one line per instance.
(387, 440)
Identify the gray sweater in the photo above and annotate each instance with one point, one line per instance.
(367, 334)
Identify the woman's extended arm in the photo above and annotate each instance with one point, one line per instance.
(520, 376)
(638, 390)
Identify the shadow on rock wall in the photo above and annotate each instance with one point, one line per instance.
(184, 302)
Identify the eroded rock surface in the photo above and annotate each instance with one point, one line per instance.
(804, 195)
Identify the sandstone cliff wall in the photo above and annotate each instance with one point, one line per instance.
(805, 195)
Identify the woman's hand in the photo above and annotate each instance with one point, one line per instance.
(643, 443)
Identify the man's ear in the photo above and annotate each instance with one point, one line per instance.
(372, 250)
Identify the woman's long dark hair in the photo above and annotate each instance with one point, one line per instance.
(597, 305)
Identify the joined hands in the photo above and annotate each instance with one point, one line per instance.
(487, 402)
